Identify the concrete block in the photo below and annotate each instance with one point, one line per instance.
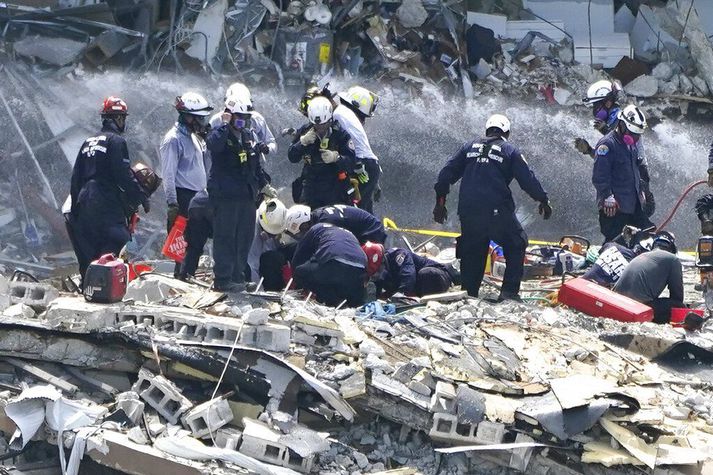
(228, 438)
(256, 316)
(137, 317)
(19, 311)
(223, 330)
(162, 395)
(75, 313)
(446, 428)
(490, 432)
(443, 398)
(263, 443)
(38, 296)
(270, 337)
(208, 417)
(130, 403)
(183, 327)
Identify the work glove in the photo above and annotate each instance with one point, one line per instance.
(600, 125)
(377, 194)
(263, 148)
(288, 131)
(545, 209)
(628, 233)
(361, 174)
(269, 191)
(172, 214)
(440, 213)
(146, 205)
(610, 206)
(308, 138)
(710, 178)
(583, 146)
(329, 156)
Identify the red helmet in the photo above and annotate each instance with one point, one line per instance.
(374, 256)
(114, 106)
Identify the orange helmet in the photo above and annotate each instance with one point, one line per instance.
(114, 106)
(374, 257)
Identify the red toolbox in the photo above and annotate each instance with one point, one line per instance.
(597, 301)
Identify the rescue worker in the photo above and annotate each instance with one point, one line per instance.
(485, 205)
(647, 275)
(603, 96)
(328, 155)
(104, 189)
(269, 225)
(236, 179)
(618, 175)
(407, 273)
(268, 144)
(358, 103)
(184, 161)
(199, 229)
(362, 224)
(329, 262)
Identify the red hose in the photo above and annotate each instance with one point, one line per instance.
(678, 203)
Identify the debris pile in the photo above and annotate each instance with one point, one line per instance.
(180, 379)
(544, 47)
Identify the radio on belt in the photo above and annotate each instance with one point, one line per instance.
(105, 280)
(598, 301)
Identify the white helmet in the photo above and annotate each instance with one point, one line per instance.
(633, 118)
(361, 98)
(296, 216)
(319, 110)
(238, 89)
(238, 105)
(271, 216)
(498, 121)
(193, 103)
(602, 90)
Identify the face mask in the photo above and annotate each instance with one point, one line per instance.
(601, 114)
(239, 123)
(630, 140)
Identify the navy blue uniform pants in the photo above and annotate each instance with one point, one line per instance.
(233, 231)
(332, 282)
(184, 197)
(198, 230)
(93, 236)
(473, 246)
(611, 227)
(367, 190)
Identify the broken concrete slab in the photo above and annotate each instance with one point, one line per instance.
(53, 50)
(643, 86)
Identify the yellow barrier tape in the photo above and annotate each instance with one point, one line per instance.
(391, 225)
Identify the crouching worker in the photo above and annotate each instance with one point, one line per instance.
(329, 262)
(649, 274)
(405, 272)
(269, 225)
(362, 224)
(199, 229)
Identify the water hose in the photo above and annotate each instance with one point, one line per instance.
(671, 214)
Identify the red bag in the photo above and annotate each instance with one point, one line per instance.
(175, 246)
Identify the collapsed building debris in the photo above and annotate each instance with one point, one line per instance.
(449, 385)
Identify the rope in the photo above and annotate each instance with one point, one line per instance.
(687, 190)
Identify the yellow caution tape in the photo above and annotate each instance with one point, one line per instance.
(391, 225)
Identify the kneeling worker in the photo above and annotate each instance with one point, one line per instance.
(330, 263)
(362, 224)
(649, 274)
(485, 205)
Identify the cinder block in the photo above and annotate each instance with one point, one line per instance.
(137, 317)
(261, 442)
(208, 417)
(447, 429)
(38, 296)
(184, 327)
(19, 311)
(162, 395)
(443, 398)
(490, 432)
(75, 313)
(223, 330)
(130, 403)
(270, 337)
(228, 438)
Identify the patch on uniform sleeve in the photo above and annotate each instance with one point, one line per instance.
(602, 150)
(400, 259)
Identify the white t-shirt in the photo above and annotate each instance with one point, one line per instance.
(350, 123)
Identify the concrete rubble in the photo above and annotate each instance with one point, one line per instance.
(451, 385)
